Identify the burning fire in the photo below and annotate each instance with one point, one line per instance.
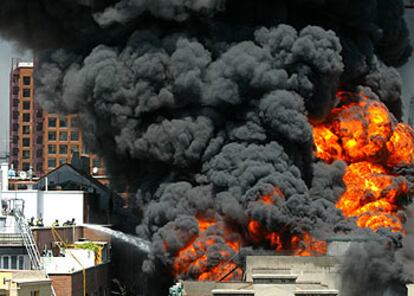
(284, 240)
(364, 134)
(361, 132)
(194, 259)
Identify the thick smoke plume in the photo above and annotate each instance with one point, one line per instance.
(204, 106)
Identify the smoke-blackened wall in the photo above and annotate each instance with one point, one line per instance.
(204, 106)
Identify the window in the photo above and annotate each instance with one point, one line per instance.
(39, 153)
(26, 142)
(14, 262)
(15, 102)
(51, 136)
(15, 90)
(26, 166)
(51, 163)
(63, 122)
(96, 163)
(39, 114)
(15, 114)
(6, 262)
(63, 161)
(63, 136)
(35, 293)
(20, 262)
(74, 148)
(74, 136)
(39, 127)
(39, 140)
(26, 105)
(75, 122)
(51, 149)
(26, 117)
(26, 80)
(26, 93)
(26, 154)
(63, 149)
(26, 129)
(51, 122)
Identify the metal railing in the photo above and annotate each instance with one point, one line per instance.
(28, 241)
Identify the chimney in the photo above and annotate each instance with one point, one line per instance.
(4, 176)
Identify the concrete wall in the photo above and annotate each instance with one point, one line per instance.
(62, 284)
(70, 234)
(97, 280)
(410, 289)
(50, 205)
(43, 288)
(62, 205)
(7, 282)
(320, 269)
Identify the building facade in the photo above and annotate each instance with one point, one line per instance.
(40, 141)
(26, 120)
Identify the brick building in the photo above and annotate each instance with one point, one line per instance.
(38, 140)
(26, 120)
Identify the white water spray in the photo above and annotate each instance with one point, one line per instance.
(135, 241)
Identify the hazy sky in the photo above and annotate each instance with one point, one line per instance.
(7, 51)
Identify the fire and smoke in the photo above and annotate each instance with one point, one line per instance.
(364, 134)
(204, 107)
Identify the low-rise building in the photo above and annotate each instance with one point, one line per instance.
(24, 283)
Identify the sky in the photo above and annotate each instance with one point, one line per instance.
(8, 51)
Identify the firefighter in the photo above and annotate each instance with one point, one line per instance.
(56, 223)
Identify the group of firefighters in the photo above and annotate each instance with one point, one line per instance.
(38, 222)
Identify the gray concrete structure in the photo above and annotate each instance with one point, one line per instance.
(276, 275)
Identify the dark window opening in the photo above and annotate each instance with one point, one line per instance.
(26, 117)
(51, 149)
(63, 122)
(52, 136)
(51, 122)
(26, 142)
(26, 154)
(26, 93)
(63, 136)
(63, 149)
(26, 80)
(51, 163)
(74, 136)
(26, 105)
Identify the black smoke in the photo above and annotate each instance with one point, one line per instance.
(204, 105)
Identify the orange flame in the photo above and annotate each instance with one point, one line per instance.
(297, 244)
(364, 134)
(193, 258)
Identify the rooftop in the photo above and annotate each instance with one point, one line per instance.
(26, 276)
